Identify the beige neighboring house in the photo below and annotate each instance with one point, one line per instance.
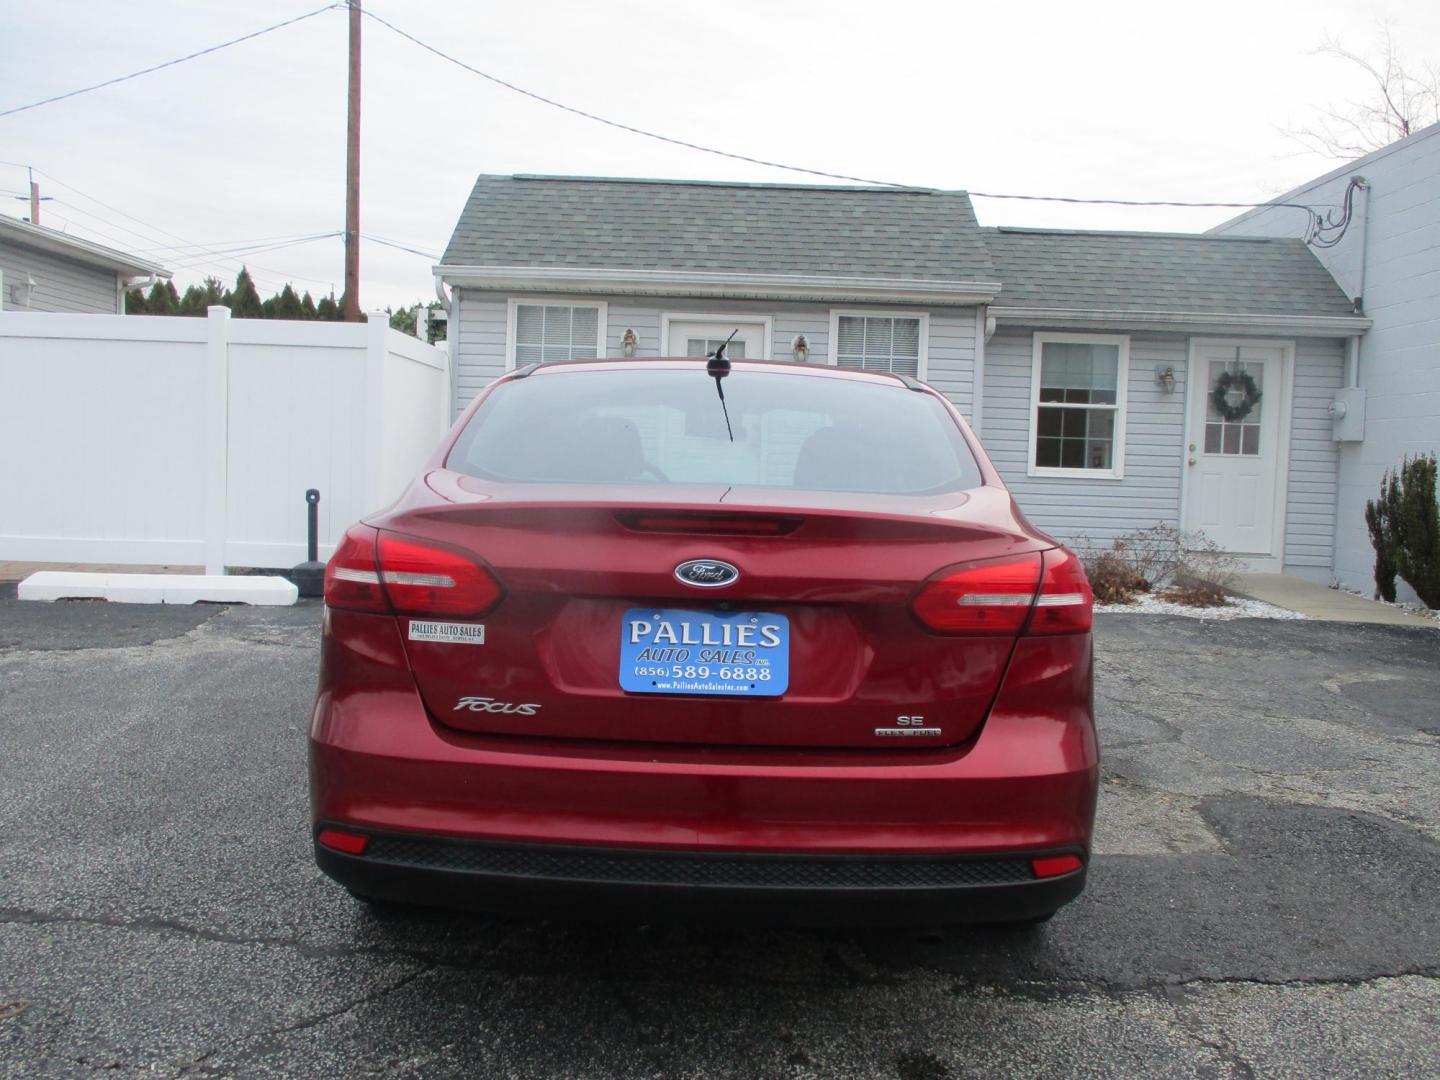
(47, 270)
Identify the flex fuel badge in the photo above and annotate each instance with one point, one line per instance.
(455, 633)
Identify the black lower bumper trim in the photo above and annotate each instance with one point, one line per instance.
(795, 889)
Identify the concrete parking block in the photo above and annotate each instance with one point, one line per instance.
(158, 588)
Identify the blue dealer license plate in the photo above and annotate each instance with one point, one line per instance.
(736, 653)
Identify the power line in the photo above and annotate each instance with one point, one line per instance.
(170, 63)
(157, 229)
(218, 245)
(220, 262)
(398, 246)
(181, 265)
(1317, 227)
(616, 123)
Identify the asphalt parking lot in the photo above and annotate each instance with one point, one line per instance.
(1264, 900)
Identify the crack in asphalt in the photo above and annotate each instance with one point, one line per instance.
(260, 1043)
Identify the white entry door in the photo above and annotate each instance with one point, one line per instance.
(1234, 460)
(700, 337)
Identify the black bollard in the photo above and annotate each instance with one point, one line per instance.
(309, 576)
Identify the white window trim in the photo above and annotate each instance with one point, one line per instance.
(768, 321)
(833, 359)
(1122, 384)
(602, 330)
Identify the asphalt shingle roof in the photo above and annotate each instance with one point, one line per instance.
(597, 223)
(880, 233)
(1173, 272)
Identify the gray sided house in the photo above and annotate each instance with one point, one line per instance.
(1390, 259)
(1085, 360)
(46, 270)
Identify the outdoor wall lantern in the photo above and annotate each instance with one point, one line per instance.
(800, 349)
(1165, 379)
(627, 343)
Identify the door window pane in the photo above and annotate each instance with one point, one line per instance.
(705, 346)
(1233, 437)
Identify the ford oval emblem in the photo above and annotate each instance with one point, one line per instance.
(706, 573)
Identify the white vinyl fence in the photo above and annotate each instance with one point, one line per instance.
(148, 439)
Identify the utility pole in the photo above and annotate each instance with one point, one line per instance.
(351, 311)
(35, 198)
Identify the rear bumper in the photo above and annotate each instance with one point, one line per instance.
(1025, 785)
(597, 883)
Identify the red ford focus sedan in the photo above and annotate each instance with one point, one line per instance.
(651, 636)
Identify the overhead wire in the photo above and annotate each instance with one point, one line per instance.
(398, 246)
(1322, 230)
(228, 263)
(169, 63)
(1317, 223)
(217, 262)
(616, 123)
(256, 250)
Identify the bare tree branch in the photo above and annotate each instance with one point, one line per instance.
(1405, 99)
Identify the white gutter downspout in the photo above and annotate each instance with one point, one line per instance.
(1352, 352)
(452, 342)
(977, 390)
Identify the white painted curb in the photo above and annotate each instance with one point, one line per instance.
(158, 588)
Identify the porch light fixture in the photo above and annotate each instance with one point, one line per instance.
(1165, 379)
(627, 343)
(800, 349)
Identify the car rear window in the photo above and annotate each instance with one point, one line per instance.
(666, 426)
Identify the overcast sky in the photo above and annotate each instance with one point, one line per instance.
(1116, 100)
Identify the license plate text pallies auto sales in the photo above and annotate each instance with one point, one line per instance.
(668, 651)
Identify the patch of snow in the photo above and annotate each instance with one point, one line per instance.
(1234, 608)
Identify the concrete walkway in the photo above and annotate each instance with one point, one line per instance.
(1319, 602)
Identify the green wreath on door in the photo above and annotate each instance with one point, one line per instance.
(1220, 396)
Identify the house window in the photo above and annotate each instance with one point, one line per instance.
(1078, 405)
(879, 342)
(543, 332)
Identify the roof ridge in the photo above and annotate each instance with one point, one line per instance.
(1135, 234)
(751, 184)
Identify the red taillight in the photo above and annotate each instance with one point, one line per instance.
(998, 595)
(348, 842)
(990, 597)
(352, 576)
(424, 579)
(1065, 603)
(1055, 865)
(382, 572)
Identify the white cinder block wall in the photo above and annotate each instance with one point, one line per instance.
(1400, 355)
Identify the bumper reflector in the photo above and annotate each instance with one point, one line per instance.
(1055, 865)
(348, 842)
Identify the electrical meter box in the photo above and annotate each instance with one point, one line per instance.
(1347, 414)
